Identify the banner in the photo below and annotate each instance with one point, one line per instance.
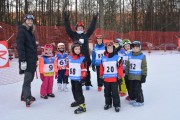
(179, 43)
(4, 55)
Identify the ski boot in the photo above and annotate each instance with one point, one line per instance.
(106, 107)
(131, 102)
(74, 104)
(44, 96)
(65, 87)
(51, 95)
(87, 88)
(60, 88)
(117, 109)
(99, 89)
(80, 109)
(137, 104)
(23, 99)
(29, 101)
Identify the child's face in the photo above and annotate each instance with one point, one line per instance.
(99, 41)
(48, 52)
(80, 28)
(110, 49)
(77, 50)
(116, 45)
(61, 48)
(135, 49)
(127, 47)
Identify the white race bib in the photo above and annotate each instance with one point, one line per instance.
(135, 65)
(99, 54)
(62, 62)
(110, 67)
(74, 69)
(48, 68)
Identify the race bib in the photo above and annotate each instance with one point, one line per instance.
(48, 68)
(62, 62)
(99, 54)
(74, 69)
(110, 67)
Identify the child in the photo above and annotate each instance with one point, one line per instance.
(61, 56)
(97, 54)
(124, 53)
(47, 68)
(111, 71)
(77, 72)
(136, 72)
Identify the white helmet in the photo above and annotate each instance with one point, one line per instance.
(61, 44)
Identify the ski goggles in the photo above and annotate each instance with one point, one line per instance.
(48, 47)
(29, 17)
(109, 44)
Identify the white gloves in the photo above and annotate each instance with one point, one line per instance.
(23, 65)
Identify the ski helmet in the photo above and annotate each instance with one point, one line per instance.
(126, 41)
(136, 44)
(80, 24)
(28, 16)
(76, 44)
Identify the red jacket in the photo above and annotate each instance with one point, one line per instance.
(83, 67)
(119, 69)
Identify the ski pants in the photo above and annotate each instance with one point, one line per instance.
(135, 91)
(47, 85)
(111, 94)
(61, 79)
(77, 92)
(26, 88)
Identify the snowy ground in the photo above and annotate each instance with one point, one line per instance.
(161, 93)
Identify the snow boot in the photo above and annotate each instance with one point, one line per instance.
(127, 98)
(137, 104)
(74, 104)
(87, 88)
(80, 109)
(65, 87)
(44, 96)
(51, 95)
(117, 109)
(29, 101)
(131, 102)
(106, 107)
(99, 89)
(23, 99)
(60, 88)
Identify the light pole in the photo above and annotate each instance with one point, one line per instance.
(3, 32)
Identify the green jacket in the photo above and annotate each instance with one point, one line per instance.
(143, 67)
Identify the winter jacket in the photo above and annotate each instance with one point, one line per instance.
(97, 59)
(119, 68)
(75, 37)
(132, 67)
(26, 46)
(83, 67)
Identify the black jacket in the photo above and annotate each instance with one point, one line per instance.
(26, 46)
(75, 36)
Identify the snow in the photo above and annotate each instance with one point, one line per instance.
(161, 93)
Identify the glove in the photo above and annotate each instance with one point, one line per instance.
(96, 15)
(126, 77)
(83, 82)
(23, 65)
(56, 76)
(143, 79)
(66, 15)
(94, 68)
(119, 81)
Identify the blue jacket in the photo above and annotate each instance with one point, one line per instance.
(97, 53)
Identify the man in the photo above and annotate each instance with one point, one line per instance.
(80, 35)
(26, 46)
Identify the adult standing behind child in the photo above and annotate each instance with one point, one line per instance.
(81, 36)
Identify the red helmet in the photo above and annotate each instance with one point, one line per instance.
(48, 46)
(99, 37)
(110, 43)
(79, 24)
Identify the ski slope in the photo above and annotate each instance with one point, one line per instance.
(161, 94)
